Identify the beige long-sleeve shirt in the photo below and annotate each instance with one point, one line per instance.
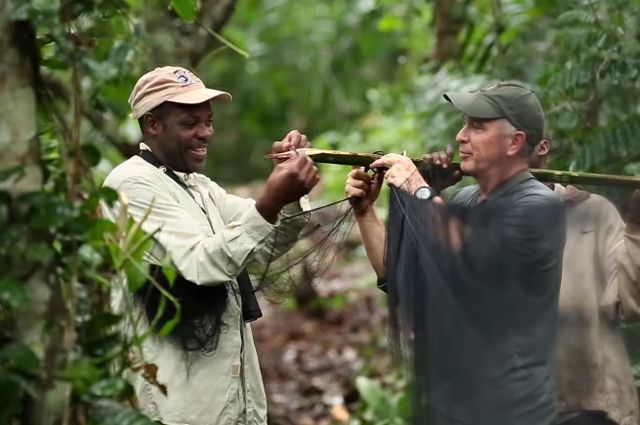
(225, 387)
(600, 288)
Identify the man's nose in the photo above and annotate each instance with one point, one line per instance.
(462, 136)
(204, 132)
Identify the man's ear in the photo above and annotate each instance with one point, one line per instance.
(543, 147)
(516, 143)
(151, 124)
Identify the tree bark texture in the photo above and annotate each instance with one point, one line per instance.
(18, 131)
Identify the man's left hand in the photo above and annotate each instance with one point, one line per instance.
(401, 172)
(293, 140)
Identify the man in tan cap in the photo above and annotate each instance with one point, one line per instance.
(474, 280)
(208, 363)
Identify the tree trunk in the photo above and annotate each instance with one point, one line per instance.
(19, 150)
(448, 20)
(18, 133)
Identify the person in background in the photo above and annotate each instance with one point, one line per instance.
(600, 290)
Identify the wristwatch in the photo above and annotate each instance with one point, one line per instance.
(425, 192)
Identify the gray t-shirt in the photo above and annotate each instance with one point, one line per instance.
(488, 298)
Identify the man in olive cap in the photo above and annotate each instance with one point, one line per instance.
(488, 263)
(208, 370)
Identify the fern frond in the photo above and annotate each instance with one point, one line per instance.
(612, 144)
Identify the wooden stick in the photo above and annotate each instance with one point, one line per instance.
(327, 156)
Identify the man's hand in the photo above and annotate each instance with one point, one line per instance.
(401, 172)
(440, 174)
(289, 180)
(363, 189)
(634, 208)
(293, 140)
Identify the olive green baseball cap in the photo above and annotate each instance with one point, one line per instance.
(506, 99)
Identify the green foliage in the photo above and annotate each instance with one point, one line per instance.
(355, 75)
(51, 245)
(108, 412)
(186, 9)
(383, 405)
(59, 339)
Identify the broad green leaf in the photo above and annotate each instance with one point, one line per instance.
(108, 194)
(110, 412)
(187, 10)
(19, 358)
(13, 292)
(136, 274)
(102, 346)
(370, 391)
(101, 322)
(89, 256)
(83, 374)
(170, 273)
(39, 252)
(91, 154)
(10, 394)
(169, 325)
(111, 388)
(99, 228)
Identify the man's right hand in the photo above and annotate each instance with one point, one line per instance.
(441, 174)
(363, 189)
(288, 182)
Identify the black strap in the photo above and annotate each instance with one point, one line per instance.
(153, 160)
(250, 308)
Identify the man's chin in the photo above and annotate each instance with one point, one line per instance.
(197, 168)
(196, 165)
(467, 168)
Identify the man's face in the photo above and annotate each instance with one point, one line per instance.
(181, 136)
(484, 144)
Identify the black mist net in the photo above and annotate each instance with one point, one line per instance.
(472, 295)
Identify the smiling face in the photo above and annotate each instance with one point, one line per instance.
(485, 144)
(179, 135)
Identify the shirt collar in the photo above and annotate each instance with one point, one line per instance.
(510, 183)
(188, 178)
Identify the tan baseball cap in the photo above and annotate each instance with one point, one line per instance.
(170, 84)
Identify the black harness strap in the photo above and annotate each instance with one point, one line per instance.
(250, 308)
(153, 160)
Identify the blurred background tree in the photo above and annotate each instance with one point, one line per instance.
(360, 75)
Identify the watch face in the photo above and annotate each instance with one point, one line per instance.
(424, 192)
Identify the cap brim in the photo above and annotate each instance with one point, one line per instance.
(473, 105)
(193, 97)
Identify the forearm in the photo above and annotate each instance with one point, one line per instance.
(373, 233)
(291, 220)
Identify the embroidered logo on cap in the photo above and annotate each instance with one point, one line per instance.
(184, 77)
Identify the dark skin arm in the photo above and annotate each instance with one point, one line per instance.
(441, 175)
(290, 179)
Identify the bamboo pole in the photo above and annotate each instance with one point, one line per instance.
(327, 156)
